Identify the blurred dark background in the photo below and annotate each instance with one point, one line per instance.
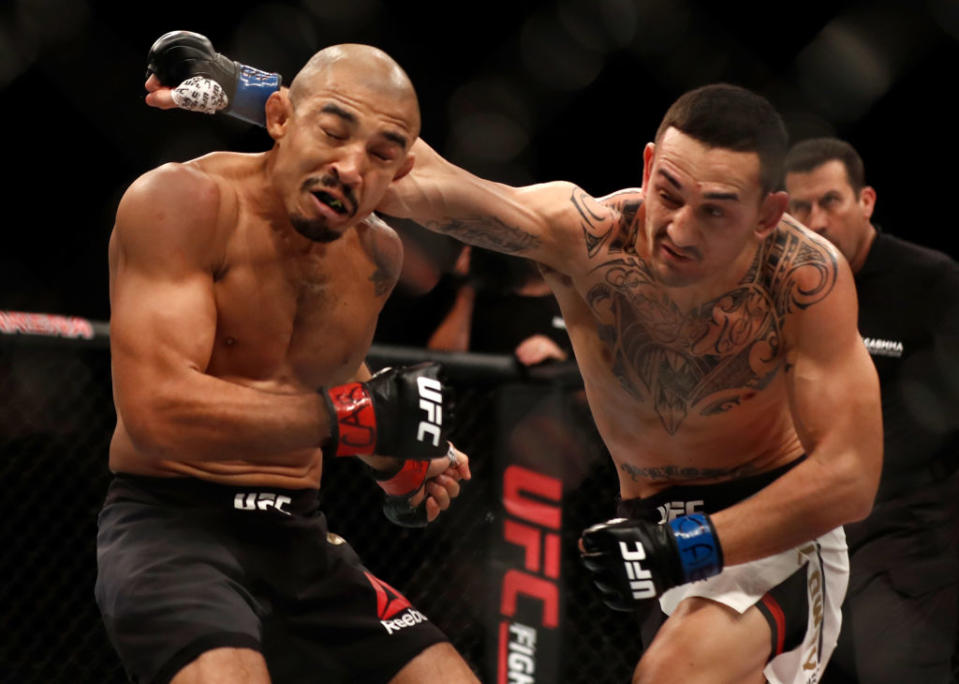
(516, 91)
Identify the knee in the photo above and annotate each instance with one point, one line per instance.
(697, 652)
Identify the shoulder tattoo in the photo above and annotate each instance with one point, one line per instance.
(610, 224)
(797, 271)
(387, 253)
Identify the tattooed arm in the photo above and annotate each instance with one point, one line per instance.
(545, 222)
(834, 400)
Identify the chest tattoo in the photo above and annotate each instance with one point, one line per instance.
(711, 358)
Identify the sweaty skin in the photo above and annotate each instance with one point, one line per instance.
(242, 284)
(716, 337)
(709, 351)
(265, 309)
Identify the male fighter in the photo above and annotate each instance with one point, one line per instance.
(901, 613)
(718, 345)
(244, 293)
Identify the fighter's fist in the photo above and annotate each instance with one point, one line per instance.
(417, 491)
(635, 560)
(204, 80)
(399, 412)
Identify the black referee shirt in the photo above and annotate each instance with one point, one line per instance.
(909, 320)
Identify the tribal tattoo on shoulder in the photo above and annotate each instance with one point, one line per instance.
(711, 358)
(611, 224)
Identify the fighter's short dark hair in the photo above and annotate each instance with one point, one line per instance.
(809, 155)
(734, 118)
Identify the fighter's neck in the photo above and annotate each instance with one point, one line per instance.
(691, 297)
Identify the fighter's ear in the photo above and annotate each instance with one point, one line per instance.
(406, 167)
(648, 153)
(771, 212)
(279, 111)
(867, 201)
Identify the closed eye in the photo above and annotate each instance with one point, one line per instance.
(669, 199)
(713, 212)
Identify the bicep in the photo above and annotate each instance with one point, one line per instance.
(832, 382)
(162, 324)
(163, 310)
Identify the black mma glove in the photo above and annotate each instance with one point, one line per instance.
(399, 412)
(206, 81)
(636, 560)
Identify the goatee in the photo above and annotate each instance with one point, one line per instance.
(314, 229)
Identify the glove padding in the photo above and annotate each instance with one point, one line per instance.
(206, 81)
(634, 560)
(400, 412)
(401, 485)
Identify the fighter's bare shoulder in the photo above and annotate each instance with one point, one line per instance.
(609, 220)
(799, 267)
(385, 249)
(176, 207)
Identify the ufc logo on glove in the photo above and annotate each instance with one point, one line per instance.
(640, 580)
(431, 401)
(385, 414)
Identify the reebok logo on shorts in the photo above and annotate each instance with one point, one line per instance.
(390, 602)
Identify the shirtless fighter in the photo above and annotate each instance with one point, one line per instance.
(244, 292)
(717, 340)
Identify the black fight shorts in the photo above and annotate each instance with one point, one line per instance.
(185, 566)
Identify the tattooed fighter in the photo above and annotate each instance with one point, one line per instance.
(717, 341)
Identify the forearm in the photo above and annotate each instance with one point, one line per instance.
(211, 419)
(447, 199)
(437, 191)
(811, 499)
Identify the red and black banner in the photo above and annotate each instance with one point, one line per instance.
(527, 618)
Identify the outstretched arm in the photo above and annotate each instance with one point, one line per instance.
(539, 222)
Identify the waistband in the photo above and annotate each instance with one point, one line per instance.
(673, 502)
(195, 493)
